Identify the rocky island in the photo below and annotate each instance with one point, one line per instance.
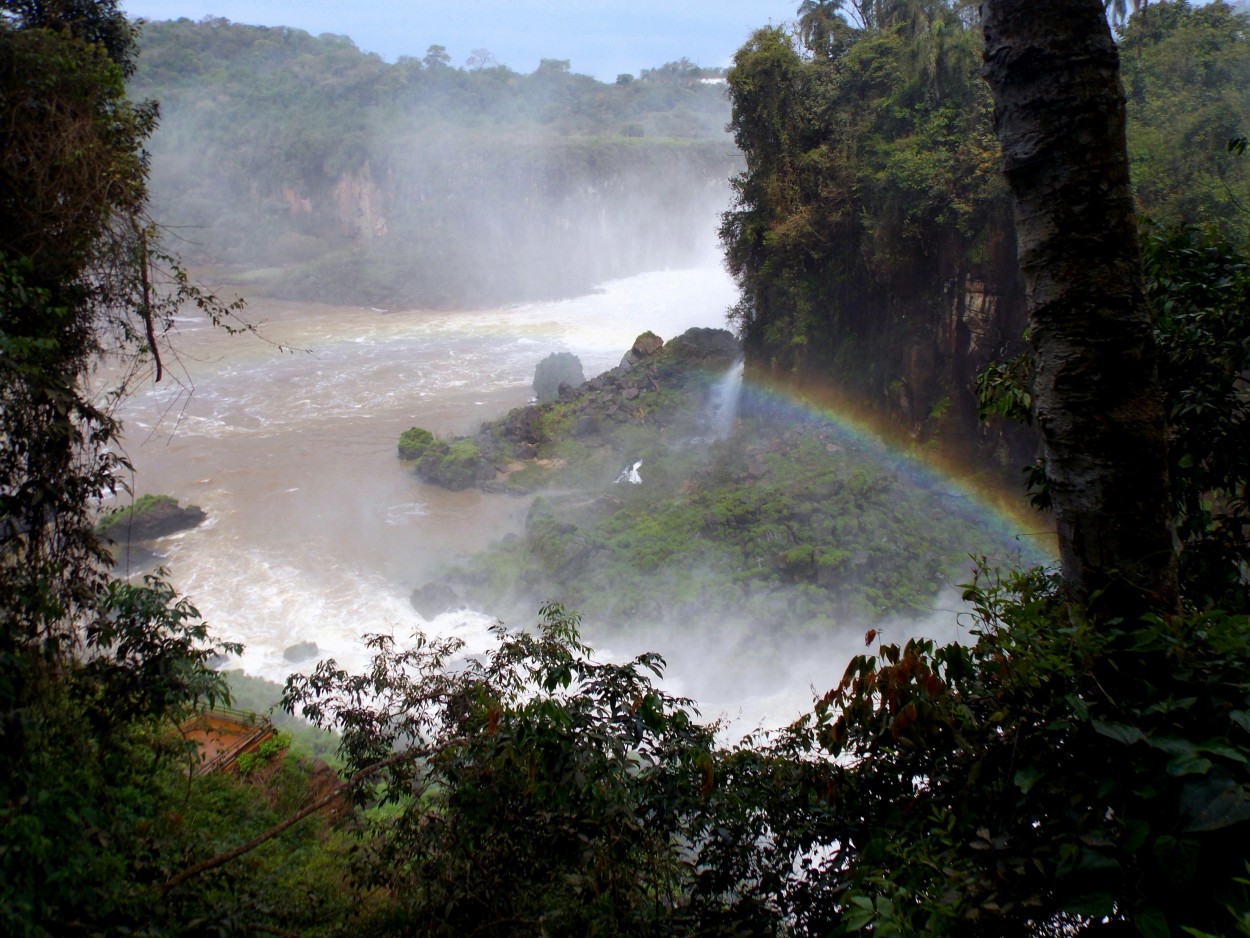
(658, 489)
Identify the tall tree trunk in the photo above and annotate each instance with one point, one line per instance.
(1059, 115)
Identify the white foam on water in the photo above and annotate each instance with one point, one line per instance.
(316, 531)
(399, 514)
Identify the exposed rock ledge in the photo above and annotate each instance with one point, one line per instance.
(149, 518)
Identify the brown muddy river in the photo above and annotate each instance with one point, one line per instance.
(316, 531)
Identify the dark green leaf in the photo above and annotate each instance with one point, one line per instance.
(1212, 804)
(1120, 732)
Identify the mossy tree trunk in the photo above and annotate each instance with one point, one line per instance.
(1053, 69)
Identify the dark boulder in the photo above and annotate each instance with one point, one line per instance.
(644, 347)
(150, 517)
(300, 651)
(712, 348)
(557, 369)
(434, 599)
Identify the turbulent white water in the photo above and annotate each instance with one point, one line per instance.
(317, 532)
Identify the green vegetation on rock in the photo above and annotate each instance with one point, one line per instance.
(454, 466)
(414, 442)
(148, 517)
(786, 520)
(457, 465)
(141, 505)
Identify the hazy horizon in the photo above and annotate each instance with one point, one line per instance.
(604, 38)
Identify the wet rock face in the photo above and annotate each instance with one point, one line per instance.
(150, 517)
(644, 347)
(556, 372)
(300, 651)
(434, 599)
(524, 425)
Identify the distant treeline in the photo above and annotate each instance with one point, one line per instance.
(311, 169)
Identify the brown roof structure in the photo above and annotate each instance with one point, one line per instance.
(223, 734)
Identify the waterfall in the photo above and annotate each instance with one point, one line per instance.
(724, 402)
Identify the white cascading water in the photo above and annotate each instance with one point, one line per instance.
(724, 402)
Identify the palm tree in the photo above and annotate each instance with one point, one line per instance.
(820, 22)
(942, 47)
(1118, 11)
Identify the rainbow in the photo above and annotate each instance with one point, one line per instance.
(1005, 515)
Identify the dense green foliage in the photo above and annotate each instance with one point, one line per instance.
(1200, 289)
(321, 172)
(872, 236)
(1053, 774)
(414, 442)
(294, 879)
(1057, 776)
(552, 790)
(91, 668)
(1186, 70)
(72, 168)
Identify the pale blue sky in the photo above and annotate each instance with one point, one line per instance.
(600, 37)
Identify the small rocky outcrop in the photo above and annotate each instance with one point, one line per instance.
(557, 369)
(711, 348)
(300, 651)
(644, 347)
(455, 466)
(658, 387)
(434, 599)
(149, 518)
(415, 443)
